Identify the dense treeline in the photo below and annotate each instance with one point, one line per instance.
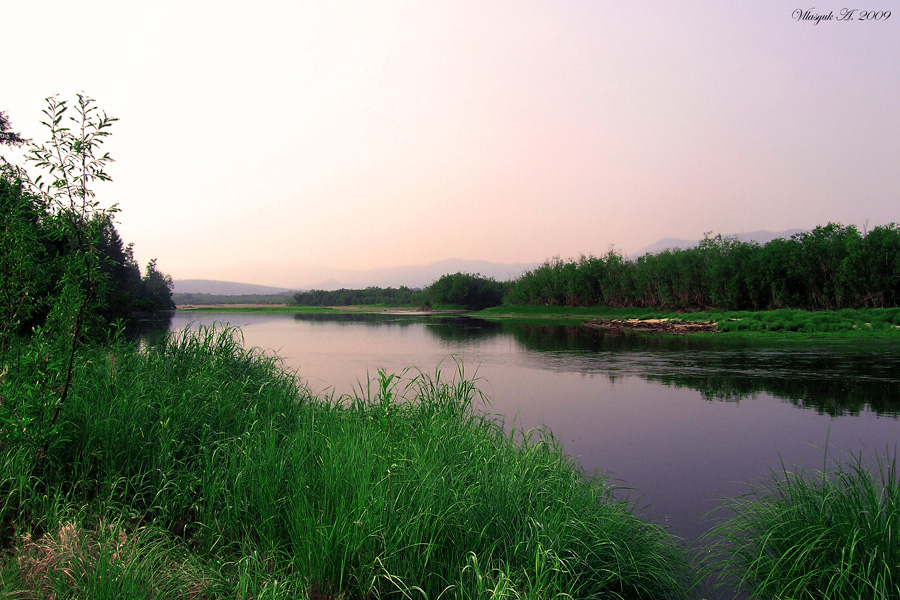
(465, 290)
(182, 298)
(831, 267)
(402, 296)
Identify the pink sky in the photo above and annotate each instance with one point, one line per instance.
(257, 140)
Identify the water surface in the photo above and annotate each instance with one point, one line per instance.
(682, 422)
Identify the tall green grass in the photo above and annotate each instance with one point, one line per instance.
(877, 322)
(214, 462)
(824, 534)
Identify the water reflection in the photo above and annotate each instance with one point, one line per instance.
(353, 318)
(832, 377)
(841, 377)
(150, 328)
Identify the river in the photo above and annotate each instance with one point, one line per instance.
(681, 423)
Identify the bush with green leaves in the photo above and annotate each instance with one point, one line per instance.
(473, 292)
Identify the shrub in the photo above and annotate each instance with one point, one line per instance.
(472, 292)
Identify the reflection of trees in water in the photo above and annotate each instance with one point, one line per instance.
(567, 338)
(834, 379)
(148, 330)
(372, 319)
(463, 330)
(447, 328)
(831, 396)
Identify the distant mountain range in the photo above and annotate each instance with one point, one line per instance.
(419, 276)
(223, 288)
(760, 237)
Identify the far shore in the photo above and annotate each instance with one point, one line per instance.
(282, 308)
(789, 323)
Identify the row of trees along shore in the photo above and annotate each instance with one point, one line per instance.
(469, 291)
(831, 267)
(402, 296)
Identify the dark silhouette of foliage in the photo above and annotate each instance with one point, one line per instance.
(27, 258)
(124, 274)
(125, 290)
(7, 137)
(155, 292)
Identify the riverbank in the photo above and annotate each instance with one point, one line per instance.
(674, 326)
(790, 323)
(195, 468)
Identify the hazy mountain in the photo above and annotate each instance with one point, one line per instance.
(417, 276)
(761, 237)
(223, 288)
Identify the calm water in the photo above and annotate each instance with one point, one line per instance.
(683, 423)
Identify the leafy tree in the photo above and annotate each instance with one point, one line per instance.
(122, 285)
(156, 290)
(56, 219)
(22, 249)
(71, 161)
(881, 267)
(469, 291)
(26, 258)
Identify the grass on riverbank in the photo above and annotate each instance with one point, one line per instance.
(816, 535)
(863, 322)
(866, 322)
(197, 469)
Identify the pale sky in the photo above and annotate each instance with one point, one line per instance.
(257, 140)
